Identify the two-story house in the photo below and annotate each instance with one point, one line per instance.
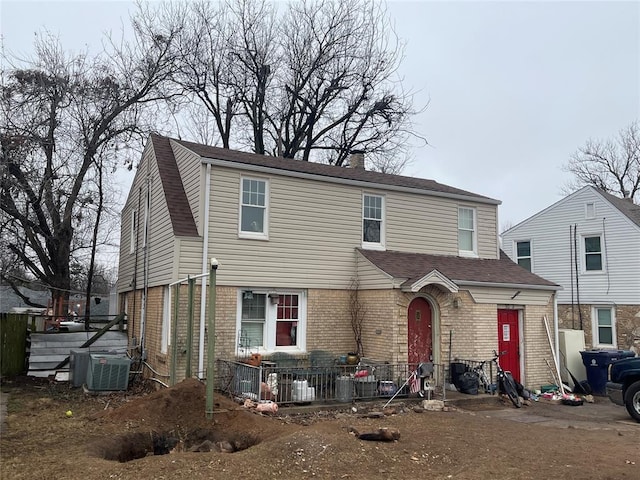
(294, 239)
(588, 242)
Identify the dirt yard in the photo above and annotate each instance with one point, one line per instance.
(114, 437)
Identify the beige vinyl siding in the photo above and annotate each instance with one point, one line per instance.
(314, 228)
(309, 243)
(370, 277)
(191, 171)
(189, 256)
(502, 296)
(127, 259)
(487, 216)
(418, 223)
(160, 246)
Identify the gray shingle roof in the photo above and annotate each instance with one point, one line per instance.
(626, 206)
(331, 171)
(414, 266)
(177, 203)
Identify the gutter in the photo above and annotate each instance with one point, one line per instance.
(472, 283)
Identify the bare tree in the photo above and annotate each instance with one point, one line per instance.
(314, 82)
(610, 165)
(63, 116)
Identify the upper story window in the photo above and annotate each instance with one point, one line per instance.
(132, 231)
(590, 210)
(467, 241)
(253, 208)
(593, 255)
(523, 254)
(372, 221)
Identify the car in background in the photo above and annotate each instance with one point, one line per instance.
(623, 387)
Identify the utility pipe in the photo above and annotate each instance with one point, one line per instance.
(205, 268)
(211, 339)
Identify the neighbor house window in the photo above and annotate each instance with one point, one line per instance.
(523, 254)
(132, 232)
(372, 221)
(593, 258)
(467, 231)
(253, 208)
(271, 321)
(604, 331)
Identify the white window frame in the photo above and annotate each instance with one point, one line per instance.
(518, 257)
(166, 320)
(590, 210)
(269, 334)
(595, 327)
(264, 234)
(474, 233)
(132, 231)
(374, 245)
(583, 255)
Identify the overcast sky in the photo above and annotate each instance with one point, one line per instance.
(513, 88)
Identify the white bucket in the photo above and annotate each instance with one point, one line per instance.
(299, 390)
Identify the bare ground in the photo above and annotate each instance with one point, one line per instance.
(114, 437)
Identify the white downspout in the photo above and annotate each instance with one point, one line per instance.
(556, 335)
(205, 270)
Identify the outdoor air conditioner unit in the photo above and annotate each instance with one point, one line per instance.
(79, 364)
(107, 372)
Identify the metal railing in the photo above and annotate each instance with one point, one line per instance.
(329, 383)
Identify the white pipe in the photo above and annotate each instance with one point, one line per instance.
(556, 334)
(205, 270)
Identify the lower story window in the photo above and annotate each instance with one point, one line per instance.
(604, 331)
(271, 321)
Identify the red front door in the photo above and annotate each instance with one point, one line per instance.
(509, 342)
(420, 331)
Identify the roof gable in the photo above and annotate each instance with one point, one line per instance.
(625, 207)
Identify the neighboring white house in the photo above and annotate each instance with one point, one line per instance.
(588, 242)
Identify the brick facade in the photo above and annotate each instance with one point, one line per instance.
(627, 324)
(471, 327)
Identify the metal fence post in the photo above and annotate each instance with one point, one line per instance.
(211, 334)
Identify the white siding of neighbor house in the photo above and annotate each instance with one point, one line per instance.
(192, 173)
(160, 245)
(549, 234)
(314, 227)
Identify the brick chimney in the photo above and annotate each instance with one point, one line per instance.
(356, 159)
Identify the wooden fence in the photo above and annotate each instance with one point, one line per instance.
(13, 343)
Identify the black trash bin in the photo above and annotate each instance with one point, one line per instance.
(597, 365)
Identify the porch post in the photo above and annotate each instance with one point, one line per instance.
(211, 335)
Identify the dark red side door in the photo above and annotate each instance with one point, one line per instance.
(509, 341)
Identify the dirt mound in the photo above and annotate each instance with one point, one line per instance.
(181, 409)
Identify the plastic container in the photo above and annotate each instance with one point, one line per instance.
(387, 388)
(366, 386)
(344, 388)
(597, 364)
(302, 392)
